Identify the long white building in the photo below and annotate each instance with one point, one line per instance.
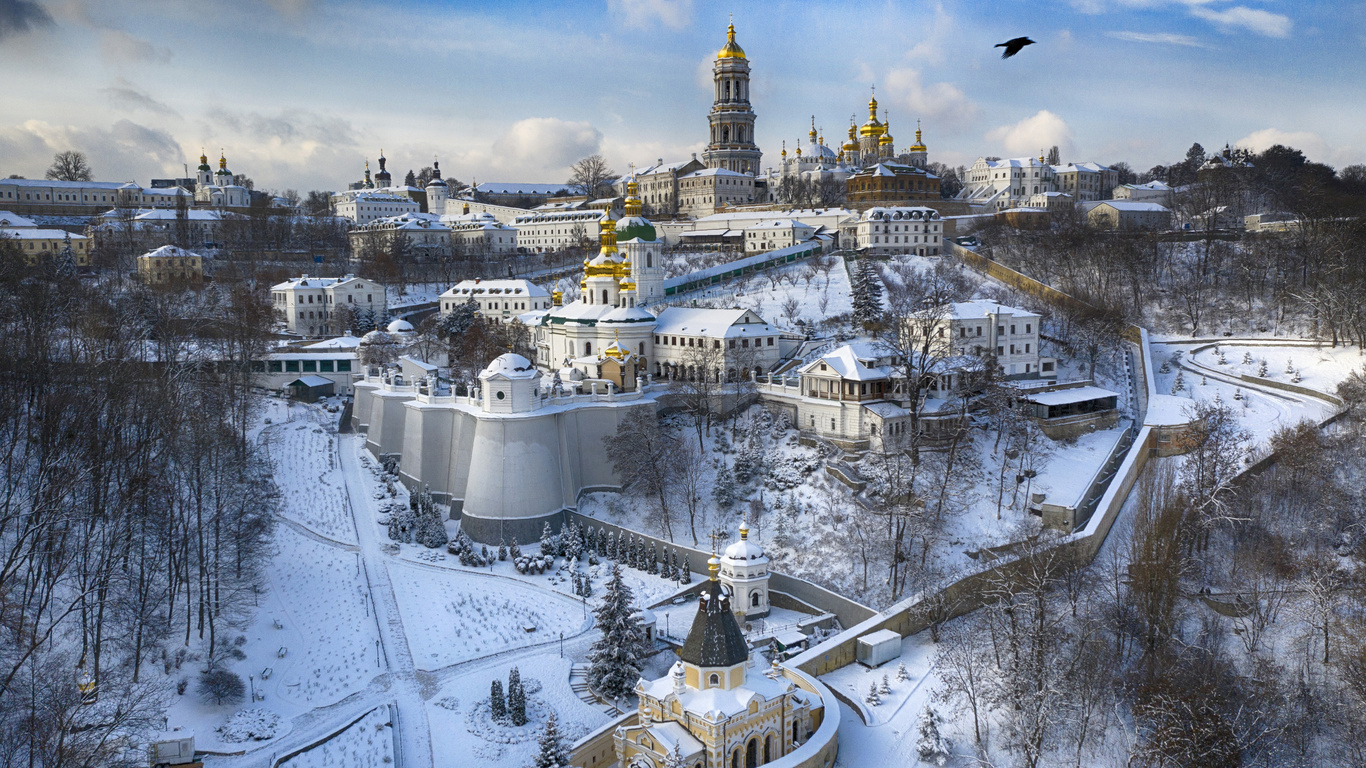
(501, 300)
(309, 305)
(886, 231)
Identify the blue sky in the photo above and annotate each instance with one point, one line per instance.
(300, 92)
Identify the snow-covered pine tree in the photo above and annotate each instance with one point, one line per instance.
(402, 524)
(685, 574)
(616, 656)
(675, 573)
(901, 674)
(723, 491)
(1261, 369)
(610, 550)
(573, 546)
(547, 541)
(872, 699)
(514, 551)
(498, 706)
(502, 550)
(654, 560)
(602, 542)
(931, 745)
(1247, 358)
(867, 294)
(551, 752)
(886, 686)
(516, 698)
(562, 544)
(666, 569)
(66, 260)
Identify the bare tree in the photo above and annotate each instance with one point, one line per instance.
(643, 453)
(592, 177)
(69, 165)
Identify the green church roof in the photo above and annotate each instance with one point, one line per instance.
(635, 227)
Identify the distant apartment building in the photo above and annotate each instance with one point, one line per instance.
(501, 300)
(169, 265)
(1084, 181)
(704, 192)
(774, 234)
(541, 232)
(903, 230)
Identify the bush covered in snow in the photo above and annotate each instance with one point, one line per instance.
(253, 724)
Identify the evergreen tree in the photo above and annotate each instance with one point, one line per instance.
(666, 569)
(547, 541)
(867, 294)
(66, 261)
(616, 656)
(552, 752)
(459, 321)
(886, 686)
(611, 552)
(514, 551)
(723, 492)
(872, 699)
(685, 576)
(497, 704)
(516, 698)
(931, 745)
(676, 572)
(602, 542)
(654, 560)
(411, 179)
(901, 674)
(502, 550)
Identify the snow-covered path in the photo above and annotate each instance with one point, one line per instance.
(414, 738)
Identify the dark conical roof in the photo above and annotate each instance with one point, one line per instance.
(715, 639)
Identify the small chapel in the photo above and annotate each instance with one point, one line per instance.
(719, 706)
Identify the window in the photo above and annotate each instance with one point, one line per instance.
(1000, 350)
(310, 366)
(292, 366)
(325, 366)
(275, 366)
(979, 330)
(343, 366)
(714, 680)
(1012, 329)
(770, 341)
(1029, 327)
(1026, 349)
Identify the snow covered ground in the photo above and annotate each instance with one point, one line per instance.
(825, 295)
(369, 743)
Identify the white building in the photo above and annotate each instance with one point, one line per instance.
(554, 231)
(218, 188)
(702, 193)
(47, 197)
(309, 305)
(480, 234)
(887, 231)
(973, 327)
(658, 184)
(425, 232)
(1151, 192)
(501, 300)
(1002, 184)
(1085, 181)
(366, 205)
(777, 233)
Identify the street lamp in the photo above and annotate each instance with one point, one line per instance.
(562, 645)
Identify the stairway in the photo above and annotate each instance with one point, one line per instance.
(578, 682)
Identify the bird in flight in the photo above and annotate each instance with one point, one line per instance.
(1014, 46)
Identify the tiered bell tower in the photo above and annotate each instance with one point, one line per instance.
(731, 120)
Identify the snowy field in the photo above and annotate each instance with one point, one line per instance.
(302, 446)
(369, 743)
(825, 295)
(1262, 411)
(1319, 368)
(454, 615)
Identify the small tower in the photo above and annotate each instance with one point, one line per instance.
(222, 176)
(204, 178)
(715, 653)
(383, 179)
(644, 251)
(920, 157)
(731, 120)
(744, 570)
(437, 194)
(510, 384)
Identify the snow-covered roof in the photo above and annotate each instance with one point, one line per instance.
(780, 224)
(467, 288)
(39, 234)
(715, 172)
(1152, 186)
(170, 251)
(712, 323)
(1133, 205)
(628, 315)
(309, 281)
(399, 325)
(1090, 167)
(312, 381)
(898, 213)
(670, 734)
(1015, 162)
(880, 636)
(887, 410)
(980, 308)
(10, 220)
(712, 233)
(1068, 396)
(166, 214)
(421, 364)
(510, 365)
(666, 167)
(341, 342)
(519, 188)
(55, 184)
(846, 363)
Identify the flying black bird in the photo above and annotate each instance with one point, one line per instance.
(1014, 46)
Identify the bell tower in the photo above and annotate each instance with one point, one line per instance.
(731, 145)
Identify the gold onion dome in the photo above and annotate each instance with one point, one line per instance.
(732, 49)
(811, 134)
(918, 146)
(872, 127)
(886, 140)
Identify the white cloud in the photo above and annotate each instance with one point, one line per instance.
(122, 152)
(941, 103)
(129, 97)
(1166, 38)
(1250, 19)
(1033, 134)
(644, 14)
(118, 45)
(534, 149)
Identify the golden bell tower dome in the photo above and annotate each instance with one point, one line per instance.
(732, 49)
(873, 128)
(919, 145)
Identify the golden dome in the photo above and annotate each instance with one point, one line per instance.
(872, 127)
(812, 133)
(731, 50)
(633, 201)
(784, 147)
(918, 146)
(886, 140)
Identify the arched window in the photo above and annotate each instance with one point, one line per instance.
(588, 348)
(604, 295)
(768, 748)
(714, 680)
(725, 134)
(752, 753)
(649, 260)
(754, 600)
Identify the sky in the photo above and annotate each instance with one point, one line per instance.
(300, 93)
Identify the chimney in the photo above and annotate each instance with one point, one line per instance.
(694, 155)
(659, 161)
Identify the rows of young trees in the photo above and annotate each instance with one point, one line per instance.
(135, 508)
